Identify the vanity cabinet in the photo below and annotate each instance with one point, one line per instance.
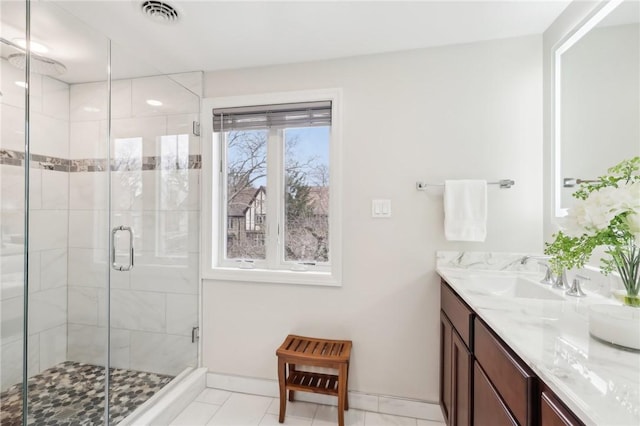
(456, 360)
(512, 382)
(482, 381)
(488, 407)
(554, 413)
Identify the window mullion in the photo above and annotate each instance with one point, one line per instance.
(274, 197)
(222, 207)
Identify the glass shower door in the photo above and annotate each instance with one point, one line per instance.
(155, 227)
(113, 205)
(12, 216)
(65, 334)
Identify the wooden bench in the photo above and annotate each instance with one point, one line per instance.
(310, 351)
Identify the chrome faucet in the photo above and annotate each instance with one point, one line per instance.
(548, 275)
(575, 289)
(525, 259)
(561, 281)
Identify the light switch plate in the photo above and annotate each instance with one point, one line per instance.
(380, 208)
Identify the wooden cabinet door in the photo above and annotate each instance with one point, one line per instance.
(461, 398)
(553, 413)
(510, 377)
(488, 407)
(445, 367)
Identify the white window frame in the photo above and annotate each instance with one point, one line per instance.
(214, 221)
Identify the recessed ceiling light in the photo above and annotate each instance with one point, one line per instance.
(35, 46)
(21, 84)
(91, 109)
(153, 102)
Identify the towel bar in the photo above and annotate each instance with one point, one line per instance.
(504, 184)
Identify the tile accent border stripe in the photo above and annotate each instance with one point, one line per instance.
(358, 400)
(16, 158)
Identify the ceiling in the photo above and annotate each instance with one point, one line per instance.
(214, 35)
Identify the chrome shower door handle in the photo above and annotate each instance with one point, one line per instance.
(114, 263)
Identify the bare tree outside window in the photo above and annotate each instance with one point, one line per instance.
(306, 194)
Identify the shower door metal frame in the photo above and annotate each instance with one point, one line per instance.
(111, 247)
(27, 169)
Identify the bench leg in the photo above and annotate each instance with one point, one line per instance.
(282, 382)
(346, 393)
(342, 392)
(292, 367)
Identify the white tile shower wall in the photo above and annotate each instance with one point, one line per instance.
(191, 80)
(12, 126)
(88, 344)
(53, 346)
(161, 352)
(174, 97)
(12, 93)
(49, 200)
(153, 307)
(49, 136)
(11, 246)
(86, 138)
(88, 102)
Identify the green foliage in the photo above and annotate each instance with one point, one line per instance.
(569, 252)
(625, 172)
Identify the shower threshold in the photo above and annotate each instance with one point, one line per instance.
(72, 393)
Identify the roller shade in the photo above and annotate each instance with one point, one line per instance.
(304, 114)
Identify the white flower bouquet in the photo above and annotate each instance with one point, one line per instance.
(607, 213)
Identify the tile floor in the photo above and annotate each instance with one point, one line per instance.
(217, 407)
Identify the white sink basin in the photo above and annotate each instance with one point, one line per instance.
(515, 286)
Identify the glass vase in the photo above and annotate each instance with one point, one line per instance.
(633, 301)
(627, 261)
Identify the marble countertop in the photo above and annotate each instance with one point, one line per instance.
(600, 383)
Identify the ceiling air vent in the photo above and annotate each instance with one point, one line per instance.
(159, 11)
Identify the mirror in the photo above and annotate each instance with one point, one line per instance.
(597, 98)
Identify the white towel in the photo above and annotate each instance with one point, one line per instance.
(465, 210)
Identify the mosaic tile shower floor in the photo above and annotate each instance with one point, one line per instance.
(72, 393)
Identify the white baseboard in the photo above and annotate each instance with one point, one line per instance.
(360, 401)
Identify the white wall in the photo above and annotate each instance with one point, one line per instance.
(466, 111)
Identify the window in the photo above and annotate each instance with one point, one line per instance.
(276, 154)
(275, 192)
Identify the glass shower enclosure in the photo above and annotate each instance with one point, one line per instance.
(99, 169)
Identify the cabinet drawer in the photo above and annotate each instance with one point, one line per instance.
(513, 380)
(554, 413)
(460, 315)
(488, 408)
